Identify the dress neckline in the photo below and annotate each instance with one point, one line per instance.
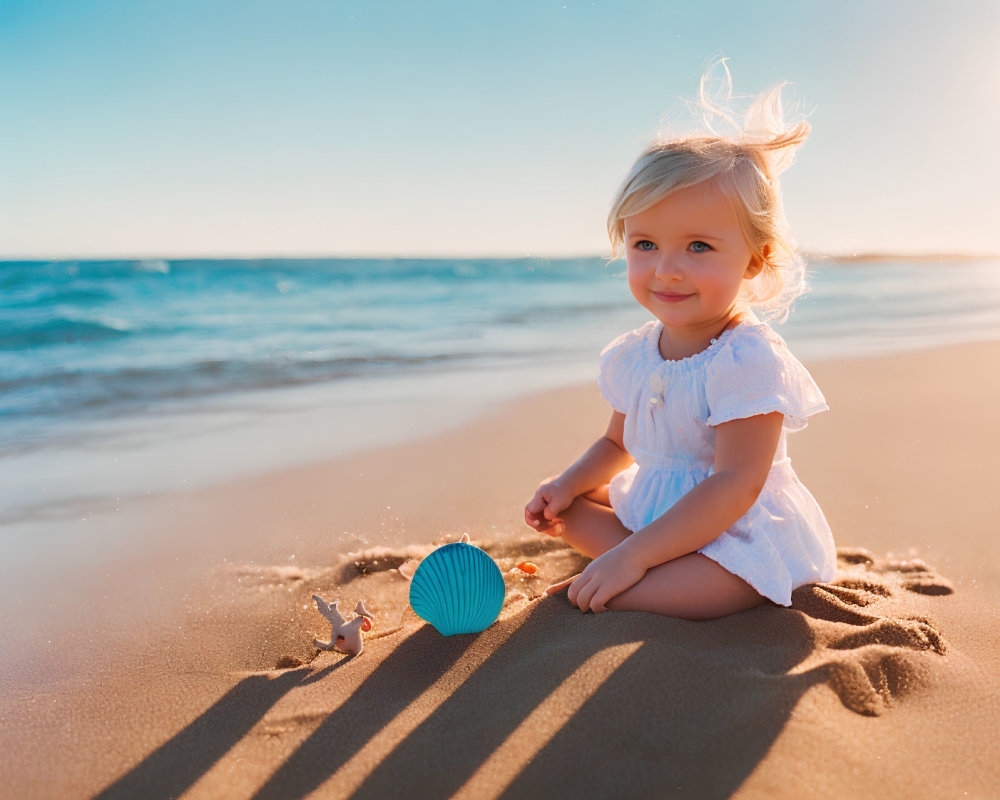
(653, 341)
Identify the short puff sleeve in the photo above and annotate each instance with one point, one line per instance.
(618, 366)
(757, 374)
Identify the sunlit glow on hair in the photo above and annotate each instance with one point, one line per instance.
(745, 163)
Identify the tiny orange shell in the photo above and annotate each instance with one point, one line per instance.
(528, 566)
(366, 625)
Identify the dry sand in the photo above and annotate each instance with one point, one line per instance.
(156, 676)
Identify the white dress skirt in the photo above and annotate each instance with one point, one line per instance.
(671, 407)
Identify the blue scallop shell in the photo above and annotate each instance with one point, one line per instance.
(458, 588)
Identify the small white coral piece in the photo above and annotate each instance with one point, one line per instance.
(407, 568)
(345, 637)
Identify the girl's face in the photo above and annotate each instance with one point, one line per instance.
(687, 258)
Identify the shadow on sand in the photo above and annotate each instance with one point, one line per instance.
(719, 700)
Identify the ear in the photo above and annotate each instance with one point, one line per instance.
(756, 264)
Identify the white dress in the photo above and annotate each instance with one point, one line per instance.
(670, 407)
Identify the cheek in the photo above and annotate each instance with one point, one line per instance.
(722, 284)
(637, 275)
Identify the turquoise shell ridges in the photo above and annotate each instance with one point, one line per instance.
(458, 588)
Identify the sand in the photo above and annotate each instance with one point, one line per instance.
(156, 675)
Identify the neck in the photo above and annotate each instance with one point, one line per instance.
(678, 343)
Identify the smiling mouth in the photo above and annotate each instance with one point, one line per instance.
(672, 297)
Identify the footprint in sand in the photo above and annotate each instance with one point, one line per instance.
(878, 660)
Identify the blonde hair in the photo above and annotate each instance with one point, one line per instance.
(745, 165)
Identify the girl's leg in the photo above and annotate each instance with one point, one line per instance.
(692, 586)
(592, 528)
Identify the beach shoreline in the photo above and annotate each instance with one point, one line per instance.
(211, 589)
(126, 379)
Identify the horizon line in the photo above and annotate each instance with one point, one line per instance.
(868, 255)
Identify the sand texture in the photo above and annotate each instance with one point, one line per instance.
(187, 667)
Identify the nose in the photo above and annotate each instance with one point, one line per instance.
(668, 267)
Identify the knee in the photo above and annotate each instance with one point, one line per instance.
(601, 495)
(591, 528)
(580, 506)
(576, 513)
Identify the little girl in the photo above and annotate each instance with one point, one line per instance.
(688, 504)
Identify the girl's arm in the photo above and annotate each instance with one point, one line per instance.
(604, 459)
(744, 451)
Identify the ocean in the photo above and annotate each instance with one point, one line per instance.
(127, 378)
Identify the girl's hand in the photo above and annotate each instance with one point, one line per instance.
(607, 576)
(542, 511)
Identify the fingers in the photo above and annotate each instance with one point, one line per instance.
(538, 519)
(536, 503)
(554, 527)
(574, 593)
(556, 505)
(583, 593)
(532, 513)
(541, 514)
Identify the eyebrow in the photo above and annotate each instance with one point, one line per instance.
(640, 235)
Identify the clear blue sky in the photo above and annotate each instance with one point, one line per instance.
(326, 127)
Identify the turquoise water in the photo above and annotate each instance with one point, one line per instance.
(122, 378)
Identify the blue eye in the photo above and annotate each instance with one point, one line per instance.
(694, 246)
(641, 245)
